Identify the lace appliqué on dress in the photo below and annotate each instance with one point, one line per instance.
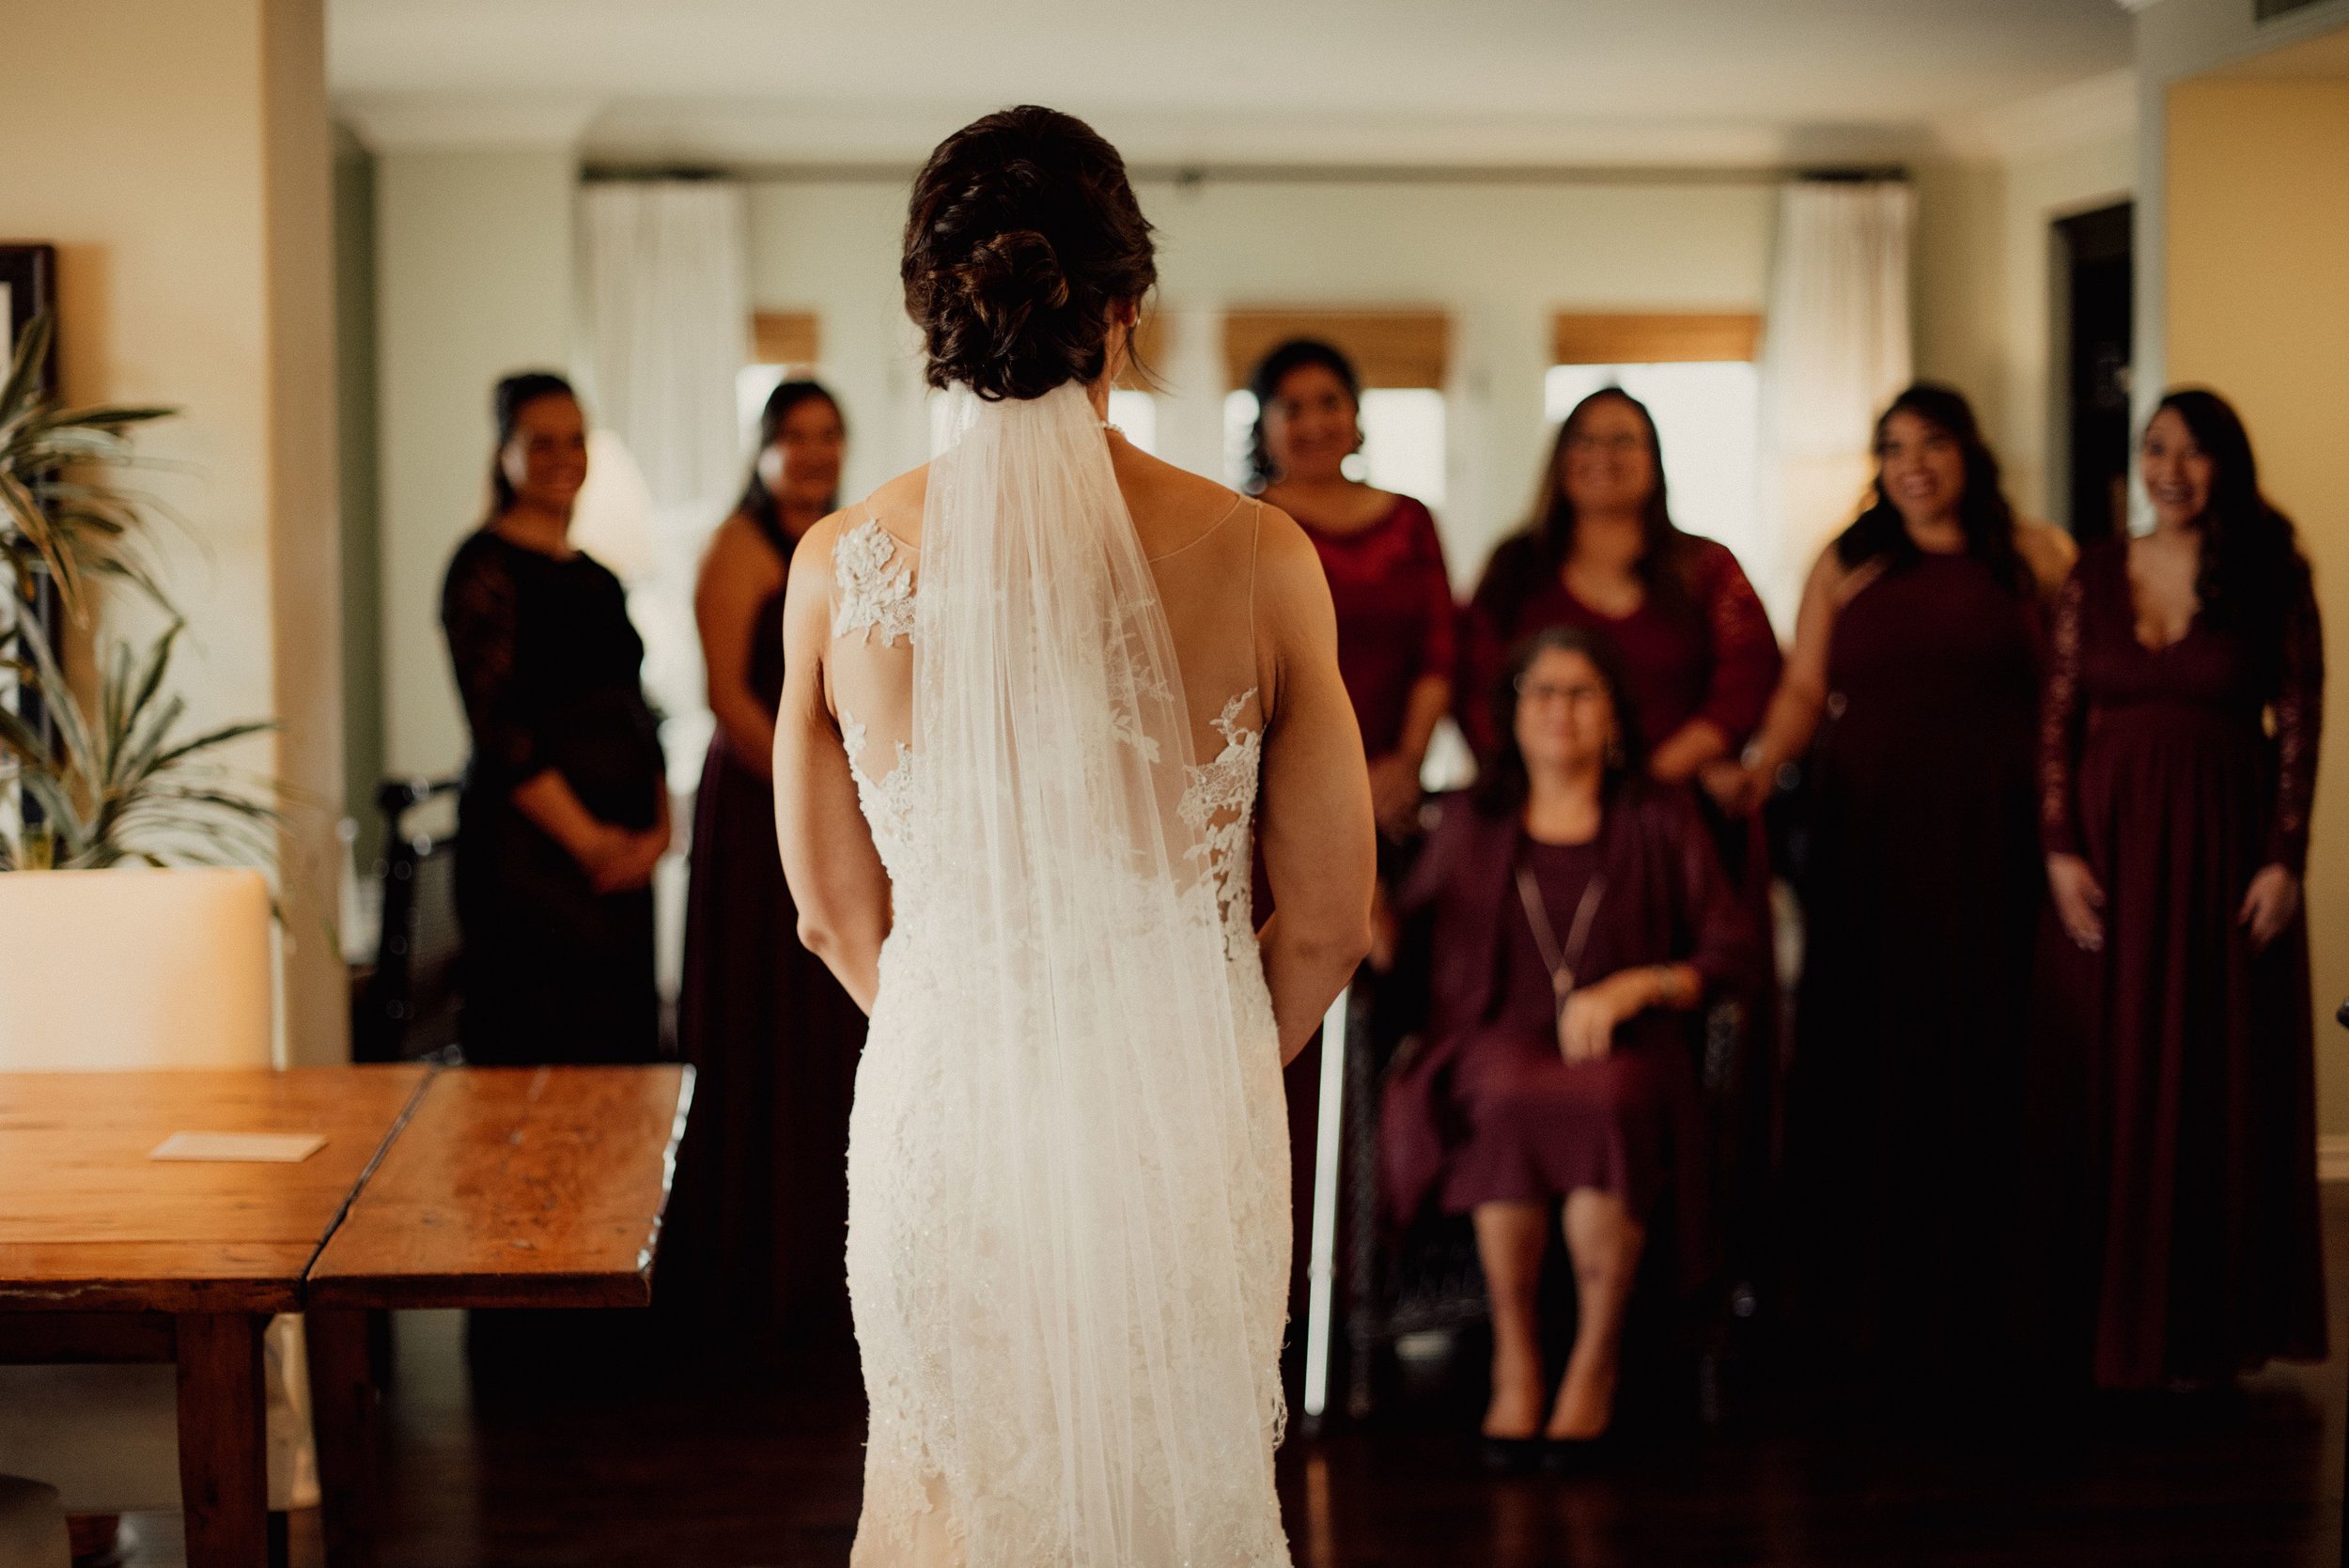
(1218, 804)
(872, 592)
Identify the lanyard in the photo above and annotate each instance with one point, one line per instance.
(1558, 962)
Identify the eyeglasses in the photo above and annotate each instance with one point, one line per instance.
(1542, 693)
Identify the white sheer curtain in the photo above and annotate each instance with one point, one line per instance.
(665, 274)
(667, 307)
(1835, 349)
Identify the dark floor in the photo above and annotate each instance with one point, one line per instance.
(740, 1464)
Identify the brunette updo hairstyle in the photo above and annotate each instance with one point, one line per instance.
(1022, 237)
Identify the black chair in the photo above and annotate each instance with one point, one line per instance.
(408, 1008)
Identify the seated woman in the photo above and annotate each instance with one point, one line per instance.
(1579, 918)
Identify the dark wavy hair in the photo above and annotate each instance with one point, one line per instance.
(758, 502)
(1524, 563)
(1023, 235)
(514, 394)
(1276, 367)
(1983, 513)
(2252, 568)
(1502, 781)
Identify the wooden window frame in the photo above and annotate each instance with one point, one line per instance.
(1654, 338)
(1399, 347)
(788, 337)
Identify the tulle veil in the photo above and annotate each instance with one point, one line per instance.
(1115, 1397)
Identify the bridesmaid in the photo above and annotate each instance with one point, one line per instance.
(2176, 822)
(566, 807)
(1918, 644)
(1384, 562)
(1396, 652)
(762, 1207)
(1603, 553)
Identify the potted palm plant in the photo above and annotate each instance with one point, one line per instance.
(117, 781)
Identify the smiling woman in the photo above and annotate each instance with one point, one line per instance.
(564, 813)
(1916, 668)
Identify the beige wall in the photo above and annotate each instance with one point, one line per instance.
(2258, 220)
(473, 278)
(189, 199)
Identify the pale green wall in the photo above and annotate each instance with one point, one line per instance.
(473, 267)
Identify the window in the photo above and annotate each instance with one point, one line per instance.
(1403, 440)
(1708, 420)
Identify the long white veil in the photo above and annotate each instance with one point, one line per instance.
(1114, 1401)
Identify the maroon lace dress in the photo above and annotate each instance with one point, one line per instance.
(759, 1223)
(2199, 1249)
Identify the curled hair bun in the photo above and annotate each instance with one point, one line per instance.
(1022, 241)
(1010, 276)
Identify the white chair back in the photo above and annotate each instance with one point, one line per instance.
(116, 970)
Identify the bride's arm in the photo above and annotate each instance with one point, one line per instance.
(1320, 849)
(828, 856)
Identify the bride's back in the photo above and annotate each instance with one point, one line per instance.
(1201, 541)
(1034, 693)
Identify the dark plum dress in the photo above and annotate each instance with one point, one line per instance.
(1488, 1111)
(761, 1211)
(1921, 900)
(2199, 1249)
(548, 665)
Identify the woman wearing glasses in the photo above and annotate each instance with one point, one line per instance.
(1603, 553)
(1577, 919)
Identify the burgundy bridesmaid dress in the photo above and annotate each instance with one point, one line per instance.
(1922, 896)
(1714, 657)
(2199, 1252)
(759, 1223)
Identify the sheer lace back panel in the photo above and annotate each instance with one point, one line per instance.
(1206, 585)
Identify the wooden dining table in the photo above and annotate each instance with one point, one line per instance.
(434, 1187)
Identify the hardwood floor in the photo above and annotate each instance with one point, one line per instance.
(736, 1465)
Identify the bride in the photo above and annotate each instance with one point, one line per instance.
(1044, 694)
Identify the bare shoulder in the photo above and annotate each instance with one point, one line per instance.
(897, 505)
(2048, 550)
(811, 560)
(1288, 567)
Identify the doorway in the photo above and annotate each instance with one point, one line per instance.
(2095, 257)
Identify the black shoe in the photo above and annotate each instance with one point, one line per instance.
(1511, 1455)
(1578, 1455)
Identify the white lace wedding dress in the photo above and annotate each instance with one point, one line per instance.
(1067, 1166)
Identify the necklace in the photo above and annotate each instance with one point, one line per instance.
(1560, 962)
